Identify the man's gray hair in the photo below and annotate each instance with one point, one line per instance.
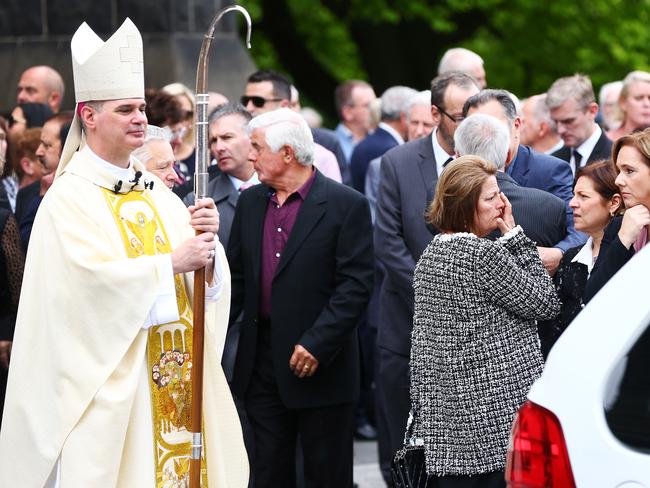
(284, 127)
(154, 133)
(503, 97)
(458, 59)
(395, 100)
(420, 98)
(484, 136)
(578, 87)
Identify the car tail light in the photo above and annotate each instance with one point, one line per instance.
(537, 453)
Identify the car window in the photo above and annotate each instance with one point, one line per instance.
(628, 411)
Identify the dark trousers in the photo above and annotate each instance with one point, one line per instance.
(325, 433)
(485, 480)
(393, 405)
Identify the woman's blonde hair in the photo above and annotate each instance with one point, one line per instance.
(453, 208)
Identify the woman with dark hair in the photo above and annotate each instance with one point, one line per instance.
(628, 234)
(475, 351)
(595, 202)
(28, 115)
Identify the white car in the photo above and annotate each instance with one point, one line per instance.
(587, 419)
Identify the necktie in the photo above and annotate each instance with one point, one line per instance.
(577, 157)
(245, 186)
(444, 165)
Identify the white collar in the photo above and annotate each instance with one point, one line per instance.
(124, 174)
(585, 255)
(439, 153)
(396, 135)
(237, 183)
(586, 148)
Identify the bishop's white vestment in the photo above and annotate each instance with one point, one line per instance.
(99, 376)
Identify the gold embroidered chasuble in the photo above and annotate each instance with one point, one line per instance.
(169, 348)
(86, 380)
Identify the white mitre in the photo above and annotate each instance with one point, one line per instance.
(101, 70)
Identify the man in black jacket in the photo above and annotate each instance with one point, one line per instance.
(301, 260)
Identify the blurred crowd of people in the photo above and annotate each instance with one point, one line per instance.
(492, 220)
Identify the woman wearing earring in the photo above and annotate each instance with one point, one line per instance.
(595, 202)
(628, 234)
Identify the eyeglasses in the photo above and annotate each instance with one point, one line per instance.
(258, 102)
(457, 120)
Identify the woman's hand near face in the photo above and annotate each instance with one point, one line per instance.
(634, 220)
(507, 221)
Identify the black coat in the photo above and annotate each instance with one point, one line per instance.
(320, 289)
(602, 150)
(612, 256)
(570, 280)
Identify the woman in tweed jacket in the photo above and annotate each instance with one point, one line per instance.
(475, 351)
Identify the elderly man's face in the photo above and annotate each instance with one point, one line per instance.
(420, 122)
(161, 161)
(270, 166)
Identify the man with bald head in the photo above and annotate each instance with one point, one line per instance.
(41, 84)
(538, 130)
(464, 60)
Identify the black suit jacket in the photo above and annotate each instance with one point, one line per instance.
(321, 287)
(602, 150)
(541, 215)
(407, 183)
(24, 199)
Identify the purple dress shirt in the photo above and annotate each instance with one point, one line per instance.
(278, 223)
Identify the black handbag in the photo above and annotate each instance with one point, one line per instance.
(408, 469)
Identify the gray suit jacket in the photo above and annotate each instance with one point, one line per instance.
(224, 194)
(408, 177)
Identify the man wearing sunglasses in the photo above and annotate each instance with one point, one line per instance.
(268, 90)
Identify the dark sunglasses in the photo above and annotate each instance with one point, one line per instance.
(258, 102)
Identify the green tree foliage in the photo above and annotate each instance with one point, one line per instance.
(526, 44)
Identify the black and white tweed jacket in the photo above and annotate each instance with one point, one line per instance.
(475, 351)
